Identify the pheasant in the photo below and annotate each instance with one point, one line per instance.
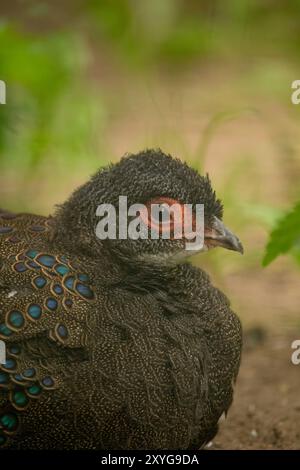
(114, 343)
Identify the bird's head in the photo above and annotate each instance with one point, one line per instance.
(149, 178)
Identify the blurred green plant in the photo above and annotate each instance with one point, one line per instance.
(285, 237)
(50, 104)
(180, 32)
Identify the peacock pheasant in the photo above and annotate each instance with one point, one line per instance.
(115, 343)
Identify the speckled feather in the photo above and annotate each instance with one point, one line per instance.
(102, 353)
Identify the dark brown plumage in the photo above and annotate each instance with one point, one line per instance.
(113, 344)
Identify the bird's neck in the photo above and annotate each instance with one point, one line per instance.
(75, 220)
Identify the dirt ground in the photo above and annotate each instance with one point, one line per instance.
(266, 409)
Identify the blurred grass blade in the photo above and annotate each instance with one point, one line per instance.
(211, 129)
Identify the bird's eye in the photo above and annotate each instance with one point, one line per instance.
(165, 216)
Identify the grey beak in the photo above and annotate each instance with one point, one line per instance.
(220, 235)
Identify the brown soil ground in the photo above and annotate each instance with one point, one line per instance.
(266, 409)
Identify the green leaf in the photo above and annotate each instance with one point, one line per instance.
(285, 237)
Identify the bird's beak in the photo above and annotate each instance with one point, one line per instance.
(219, 235)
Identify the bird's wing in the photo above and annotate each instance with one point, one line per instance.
(43, 300)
